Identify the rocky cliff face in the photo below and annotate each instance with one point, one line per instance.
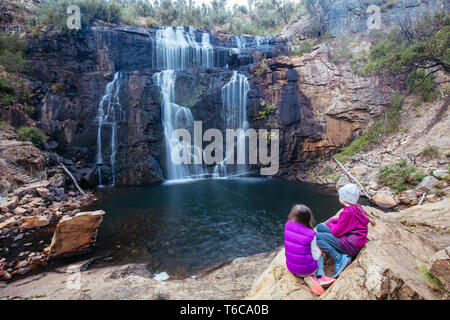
(69, 74)
(352, 16)
(321, 104)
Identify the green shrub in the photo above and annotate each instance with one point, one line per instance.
(430, 152)
(400, 176)
(6, 92)
(29, 109)
(262, 68)
(33, 134)
(305, 46)
(420, 83)
(12, 56)
(269, 109)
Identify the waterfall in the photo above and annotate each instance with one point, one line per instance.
(109, 114)
(234, 114)
(177, 49)
(175, 117)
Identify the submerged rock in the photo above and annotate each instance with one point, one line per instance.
(75, 235)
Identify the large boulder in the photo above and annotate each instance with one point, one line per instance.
(75, 235)
(428, 184)
(440, 267)
(385, 199)
(24, 154)
(388, 267)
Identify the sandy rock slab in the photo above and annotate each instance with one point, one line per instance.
(75, 235)
(231, 280)
(388, 267)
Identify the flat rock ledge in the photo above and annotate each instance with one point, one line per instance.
(390, 266)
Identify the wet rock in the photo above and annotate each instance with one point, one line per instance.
(75, 235)
(18, 237)
(440, 267)
(428, 184)
(34, 222)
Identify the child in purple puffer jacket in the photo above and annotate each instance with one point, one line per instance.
(301, 249)
(342, 238)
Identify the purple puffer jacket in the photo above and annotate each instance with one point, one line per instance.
(351, 229)
(297, 244)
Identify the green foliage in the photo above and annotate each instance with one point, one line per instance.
(421, 83)
(386, 124)
(268, 110)
(262, 68)
(261, 17)
(12, 56)
(57, 87)
(305, 46)
(342, 52)
(33, 134)
(431, 280)
(400, 176)
(431, 152)
(6, 92)
(408, 48)
(29, 109)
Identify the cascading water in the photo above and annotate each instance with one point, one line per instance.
(234, 114)
(175, 117)
(109, 114)
(177, 49)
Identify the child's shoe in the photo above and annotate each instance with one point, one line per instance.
(314, 285)
(340, 264)
(326, 281)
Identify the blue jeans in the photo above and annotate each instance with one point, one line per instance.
(328, 244)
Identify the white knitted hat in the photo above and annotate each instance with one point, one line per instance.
(349, 193)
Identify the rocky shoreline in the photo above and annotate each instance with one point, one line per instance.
(378, 272)
(34, 207)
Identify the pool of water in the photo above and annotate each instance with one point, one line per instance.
(183, 228)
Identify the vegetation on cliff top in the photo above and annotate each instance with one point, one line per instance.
(410, 47)
(256, 17)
